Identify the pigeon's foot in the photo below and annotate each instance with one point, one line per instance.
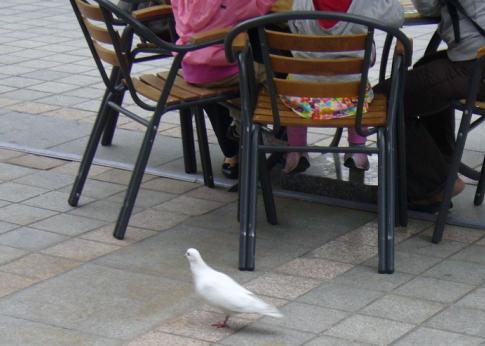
(219, 324)
(222, 324)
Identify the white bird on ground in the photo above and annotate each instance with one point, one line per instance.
(221, 291)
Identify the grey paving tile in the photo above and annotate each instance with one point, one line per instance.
(460, 320)
(314, 268)
(433, 289)
(30, 239)
(475, 300)
(98, 189)
(5, 227)
(370, 329)
(14, 331)
(409, 263)
(326, 340)
(169, 185)
(107, 302)
(56, 201)
(458, 271)
(163, 339)
(9, 172)
(80, 249)
(13, 192)
(189, 205)
(105, 211)
(347, 252)
(23, 214)
(258, 334)
(67, 224)
(105, 235)
(307, 318)
(473, 253)
(215, 194)
(156, 219)
(428, 336)
(145, 198)
(340, 297)
(36, 162)
(369, 278)
(281, 286)
(8, 253)
(46, 180)
(424, 246)
(197, 324)
(455, 233)
(10, 283)
(403, 309)
(38, 266)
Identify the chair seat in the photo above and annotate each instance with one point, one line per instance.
(479, 105)
(376, 115)
(151, 86)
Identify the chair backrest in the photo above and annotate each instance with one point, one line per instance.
(99, 39)
(331, 58)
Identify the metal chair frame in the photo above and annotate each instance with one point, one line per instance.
(120, 81)
(253, 158)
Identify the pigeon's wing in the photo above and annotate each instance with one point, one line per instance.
(220, 290)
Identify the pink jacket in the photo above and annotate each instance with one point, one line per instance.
(194, 16)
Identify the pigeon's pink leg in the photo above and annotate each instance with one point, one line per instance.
(222, 324)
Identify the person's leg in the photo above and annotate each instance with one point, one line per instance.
(221, 121)
(296, 162)
(430, 87)
(356, 160)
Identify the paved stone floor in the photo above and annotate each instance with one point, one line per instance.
(64, 280)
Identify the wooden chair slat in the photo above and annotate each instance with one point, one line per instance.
(316, 67)
(316, 89)
(98, 33)
(106, 55)
(151, 93)
(315, 43)
(176, 92)
(90, 11)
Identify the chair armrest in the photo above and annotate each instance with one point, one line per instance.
(152, 12)
(210, 35)
(400, 50)
(239, 42)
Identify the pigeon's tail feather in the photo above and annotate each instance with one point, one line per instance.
(270, 310)
(274, 313)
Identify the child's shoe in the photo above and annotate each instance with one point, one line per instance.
(356, 160)
(296, 163)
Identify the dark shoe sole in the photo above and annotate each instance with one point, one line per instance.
(302, 166)
(230, 172)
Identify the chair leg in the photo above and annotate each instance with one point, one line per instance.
(390, 199)
(381, 203)
(452, 173)
(244, 186)
(266, 188)
(190, 163)
(336, 137)
(480, 187)
(205, 157)
(401, 202)
(112, 119)
(136, 176)
(252, 200)
(90, 151)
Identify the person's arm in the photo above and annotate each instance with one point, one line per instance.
(428, 8)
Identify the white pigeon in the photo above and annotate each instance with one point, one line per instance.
(221, 291)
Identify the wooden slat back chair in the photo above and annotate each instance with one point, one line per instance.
(162, 92)
(262, 107)
(468, 107)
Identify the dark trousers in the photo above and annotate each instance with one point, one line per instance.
(221, 120)
(430, 87)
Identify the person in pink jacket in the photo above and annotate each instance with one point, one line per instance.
(208, 67)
